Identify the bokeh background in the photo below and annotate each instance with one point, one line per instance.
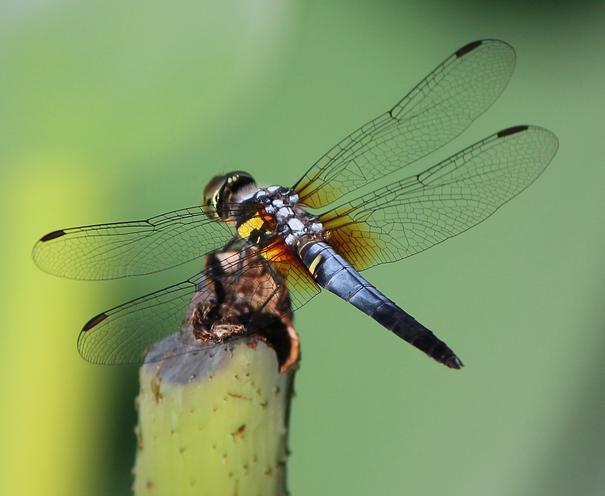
(113, 110)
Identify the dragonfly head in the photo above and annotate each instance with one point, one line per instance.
(222, 192)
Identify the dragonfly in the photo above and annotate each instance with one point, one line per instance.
(348, 212)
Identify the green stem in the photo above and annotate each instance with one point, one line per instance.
(213, 418)
(214, 423)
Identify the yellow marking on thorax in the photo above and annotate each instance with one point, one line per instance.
(250, 225)
(314, 264)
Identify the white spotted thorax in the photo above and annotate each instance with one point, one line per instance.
(293, 222)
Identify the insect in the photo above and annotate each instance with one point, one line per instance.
(305, 250)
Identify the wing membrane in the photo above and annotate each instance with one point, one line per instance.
(122, 249)
(437, 110)
(122, 335)
(418, 212)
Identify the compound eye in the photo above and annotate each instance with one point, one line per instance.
(212, 201)
(212, 190)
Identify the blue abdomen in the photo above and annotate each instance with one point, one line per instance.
(334, 273)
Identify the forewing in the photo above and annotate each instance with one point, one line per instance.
(437, 110)
(122, 249)
(413, 214)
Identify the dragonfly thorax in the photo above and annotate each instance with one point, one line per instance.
(290, 221)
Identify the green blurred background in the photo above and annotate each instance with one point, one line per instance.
(114, 110)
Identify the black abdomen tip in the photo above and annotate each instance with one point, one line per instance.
(97, 319)
(52, 235)
(443, 354)
(453, 362)
(511, 130)
(469, 47)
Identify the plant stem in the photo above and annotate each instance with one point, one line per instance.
(213, 420)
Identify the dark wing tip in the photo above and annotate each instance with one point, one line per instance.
(52, 235)
(97, 319)
(469, 47)
(511, 130)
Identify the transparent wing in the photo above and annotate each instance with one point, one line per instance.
(437, 110)
(123, 334)
(413, 214)
(122, 249)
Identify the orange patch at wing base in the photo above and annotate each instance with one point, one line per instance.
(316, 192)
(299, 281)
(284, 258)
(353, 239)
